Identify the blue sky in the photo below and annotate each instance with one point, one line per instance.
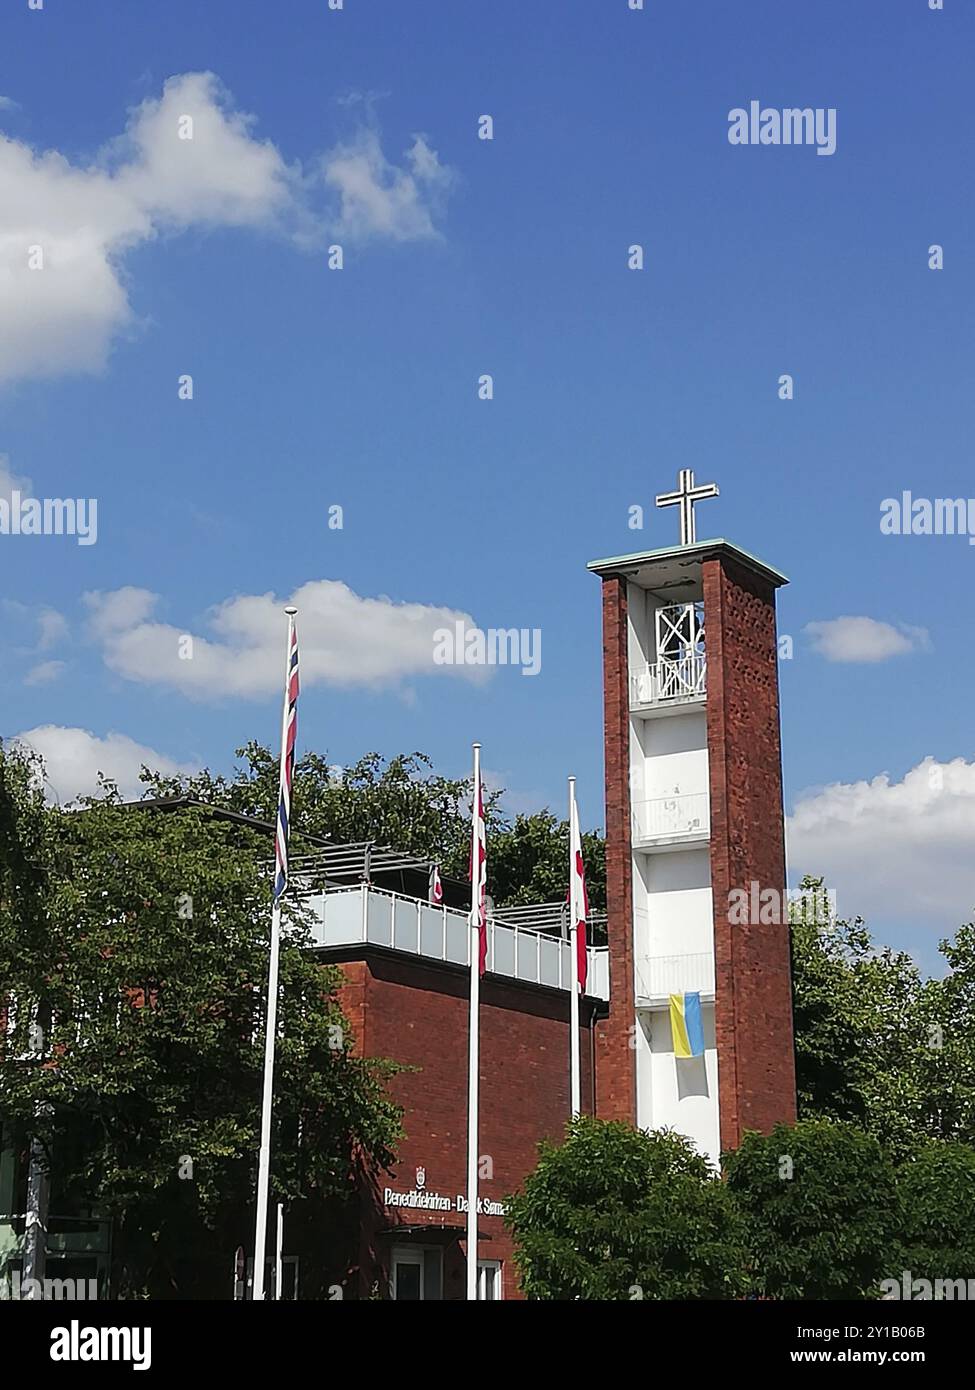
(314, 388)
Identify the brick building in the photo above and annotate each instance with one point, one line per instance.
(693, 817)
(406, 997)
(693, 813)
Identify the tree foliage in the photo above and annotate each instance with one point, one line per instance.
(878, 1044)
(137, 957)
(817, 1199)
(402, 802)
(616, 1213)
(936, 1213)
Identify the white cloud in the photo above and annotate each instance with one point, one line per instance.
(118, 610)
(379, 199)
(221, 175)
(345, 640)
(12, 482)
(53, 628)
(44, 673)
(66, 316)
(865, 639)
(903, 849)
(73, 759)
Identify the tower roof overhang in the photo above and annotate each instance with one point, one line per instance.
(675, 565)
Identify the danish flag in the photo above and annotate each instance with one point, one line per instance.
(436, 887)
(578, 899)
(479, 867)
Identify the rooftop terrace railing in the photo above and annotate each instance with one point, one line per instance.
(349, 916)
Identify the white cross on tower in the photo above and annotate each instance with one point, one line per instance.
(685, 497)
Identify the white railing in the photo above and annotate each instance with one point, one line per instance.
(347, 916)
(671, 817)
(657, 977)
(668, 680)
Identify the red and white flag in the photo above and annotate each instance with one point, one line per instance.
(478, 874)
(436, 887)
(578, 898)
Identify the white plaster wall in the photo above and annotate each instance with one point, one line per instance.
(640, 632)
(675, 751)
(678, 1093)
(672, 908)
(678, 903)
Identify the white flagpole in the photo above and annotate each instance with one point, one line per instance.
(575, 1063)
(271, 1020)
(278, 1253)
(473, 1069)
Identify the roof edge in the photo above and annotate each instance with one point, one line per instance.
(698, 550)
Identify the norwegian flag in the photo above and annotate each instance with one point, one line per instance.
(479, 884)
(436, 887)
(287, 767)
(578, 899)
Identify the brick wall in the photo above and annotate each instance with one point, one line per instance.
(417, 1014)
(753, 1008)
(615, 1058)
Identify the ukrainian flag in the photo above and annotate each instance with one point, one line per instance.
(686, 1026)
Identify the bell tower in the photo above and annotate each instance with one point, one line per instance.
(694, 838)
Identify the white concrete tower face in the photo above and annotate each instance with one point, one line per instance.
(670, 818)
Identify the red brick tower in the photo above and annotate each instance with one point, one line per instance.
(694, 839)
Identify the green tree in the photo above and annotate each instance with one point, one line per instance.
(862, 1019)
(936, 1213)
(145, 961)
(402, 802)
(528, 861)
(948, 1053)
(817, 1200)
(616, 1213)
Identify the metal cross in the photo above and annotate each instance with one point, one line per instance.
(685, 497)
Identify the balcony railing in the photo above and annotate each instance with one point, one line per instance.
(675, 817)
(658, 977)
(347, 916)
(669, 681)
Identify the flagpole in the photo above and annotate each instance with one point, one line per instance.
(271, 1018)
(575, 1063)
(473, 1027)
(279, 1253)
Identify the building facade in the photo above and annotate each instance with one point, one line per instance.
(406, 997)
(694, 819)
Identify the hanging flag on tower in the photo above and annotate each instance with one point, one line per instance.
(686, 1025)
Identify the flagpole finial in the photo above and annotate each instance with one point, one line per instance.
(291, 610)
(477, 746)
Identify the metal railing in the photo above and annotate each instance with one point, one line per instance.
(657, 977)
(347, 916)
(671, 817)
(666, 681)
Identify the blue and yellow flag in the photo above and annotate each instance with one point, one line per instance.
(686, 1026)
